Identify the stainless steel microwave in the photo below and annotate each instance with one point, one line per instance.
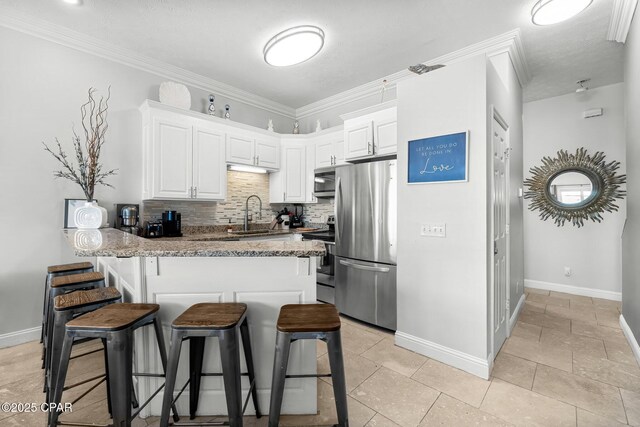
(324, 183)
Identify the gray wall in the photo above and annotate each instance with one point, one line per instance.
(41, 89)
(631, 236)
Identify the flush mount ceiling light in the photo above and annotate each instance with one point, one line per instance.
(293, 46)
(73, 2)
(547, 12)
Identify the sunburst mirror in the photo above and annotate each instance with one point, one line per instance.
(574, 187)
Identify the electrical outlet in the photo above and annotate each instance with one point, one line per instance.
(567, 271)
(434, 230)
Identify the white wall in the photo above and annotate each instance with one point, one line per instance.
(42, 86)
(593, 252)
(442, 282)
(631, 247)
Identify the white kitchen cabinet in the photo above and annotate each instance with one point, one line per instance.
(288, 185)
(329, 150)
(183, 157)
(371, 132)
(246, 148)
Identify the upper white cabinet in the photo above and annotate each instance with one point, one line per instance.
(289, 184)
(183, 157)
(371, 132)
(329, 150)
(246, 148)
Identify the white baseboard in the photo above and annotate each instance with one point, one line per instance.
(516, 313)
(631, 338)
(472, 364)
(575, 290)
(19, 337)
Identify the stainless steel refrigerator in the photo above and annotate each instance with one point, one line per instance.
(366, 224)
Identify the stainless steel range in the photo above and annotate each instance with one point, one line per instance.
(325, 270)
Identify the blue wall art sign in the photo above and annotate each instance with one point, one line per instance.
(438, 159)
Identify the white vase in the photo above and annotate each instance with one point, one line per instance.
(88, 239)
(90, 216)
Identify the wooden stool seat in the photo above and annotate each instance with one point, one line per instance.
(211, 316)
(113, 317)
(308, 318)
(76, 279)
(68, 268)
(79, 299)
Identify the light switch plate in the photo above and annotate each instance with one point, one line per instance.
(434, 230)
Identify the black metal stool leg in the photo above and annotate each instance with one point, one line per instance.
(119, 354)
(162, 349)
(196, 357)
(106, 373)
(171, 373)
(248, 355)
(60, 319)
(65, 355)
(280, 362)
(334, 349)
(230, 357)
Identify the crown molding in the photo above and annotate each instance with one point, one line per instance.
(84, 43)
(509, 42)
(621, 18)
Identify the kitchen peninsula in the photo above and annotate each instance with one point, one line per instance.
(178, 273)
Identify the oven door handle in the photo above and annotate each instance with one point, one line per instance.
(364, 267)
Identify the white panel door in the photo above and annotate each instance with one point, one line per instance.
(338, 151)
(268, 153)
(209, 164)
(294, 174)
(385, 137)
(324, 150)
(240, 149)
(172, 154)
(358, 139)
(500, 153)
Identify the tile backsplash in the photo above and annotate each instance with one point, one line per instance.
(240, 185)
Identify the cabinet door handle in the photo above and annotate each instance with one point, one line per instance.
(195, 192)
(257, 160)
(369, 148)
(284, 196)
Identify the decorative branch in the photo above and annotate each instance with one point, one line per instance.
(89, 170)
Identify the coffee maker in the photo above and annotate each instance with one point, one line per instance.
(171, 224)
(128, 217)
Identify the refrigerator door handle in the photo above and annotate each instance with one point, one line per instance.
(364, 267)
(339, 204)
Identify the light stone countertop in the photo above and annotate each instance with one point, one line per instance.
(109, 242)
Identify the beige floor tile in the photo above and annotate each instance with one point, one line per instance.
(396, 358)
(321, 348)
(632, 406)
(571, 313)
(548, 300)
(619, 350)
(514, 370)
(557, 357)
(380, 421)
(608, 318)
(614, 373)
(546, 320)
(599, 398)
(401, 399)
(448, 411)
(582, 305)
(454, 382)
(593, 330)
(535, 291)
(587, 419)
(26, 419)
(534, 307)
(359, 414)
(367, 327)
(357, 369)
(577, 298)
(605, 303)
(527, 331)
(591, 346)
(526, 408)
(358, 340)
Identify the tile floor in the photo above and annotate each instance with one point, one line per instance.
(566, 364)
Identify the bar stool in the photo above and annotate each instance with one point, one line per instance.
(116, 324)
(308, 321)
(59, 270)
(221, 320)
(61, 285)
(65, 308)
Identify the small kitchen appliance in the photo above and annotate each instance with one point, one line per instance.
(171, 224)
(128, 218)
(324, 182)
(296, 218)
(153, 229)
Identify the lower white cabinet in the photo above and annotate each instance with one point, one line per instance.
(289, 183)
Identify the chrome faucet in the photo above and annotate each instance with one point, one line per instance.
(246, 211)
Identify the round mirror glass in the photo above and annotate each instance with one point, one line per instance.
(571, 188)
